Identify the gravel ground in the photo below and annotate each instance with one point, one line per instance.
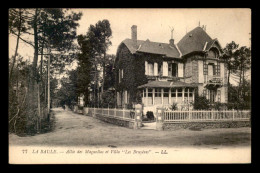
(78, 130)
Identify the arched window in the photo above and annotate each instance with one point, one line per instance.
(213, 53)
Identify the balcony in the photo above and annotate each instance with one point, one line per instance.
(160, 77)
(214, 81)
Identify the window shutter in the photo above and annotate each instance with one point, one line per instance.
(122, 73)
(205, 67)
(155, 69)
(119, 76)
(146, 68)
(218, 69)
(165, 68)
(180, 70)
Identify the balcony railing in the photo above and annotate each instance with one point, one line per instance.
(161, 77)
(214, 80)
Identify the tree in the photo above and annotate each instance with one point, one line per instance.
(244, 64)
(230, 56)
(99, 35)
(52, 30)
(16, 27)
(68, 93)
(238, 62)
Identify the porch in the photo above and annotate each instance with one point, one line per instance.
(165, 93)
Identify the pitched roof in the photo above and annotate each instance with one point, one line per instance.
(166, 84)
(194, 40)
(152, 47)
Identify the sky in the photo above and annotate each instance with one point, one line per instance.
(155, 24)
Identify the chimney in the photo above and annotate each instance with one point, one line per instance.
(134, 34)
(172, 42)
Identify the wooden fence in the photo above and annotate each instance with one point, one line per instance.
(204, 115)
(117, 113)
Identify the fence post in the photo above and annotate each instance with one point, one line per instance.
(138, 116)
(189, 114)
(114, 112)
(123, 112)
(159, 118)
(94, 112)
(233, 117)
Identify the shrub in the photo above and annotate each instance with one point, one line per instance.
(201, 103)
(174, 106)
(150, 115)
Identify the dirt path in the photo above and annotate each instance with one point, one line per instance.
(78, 130)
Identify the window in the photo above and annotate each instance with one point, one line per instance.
(150, 92)
(213, 53)
(191, 92)
(179, 92)
(120, 75)
(159, 70)
(175, 70)
(211, 69)
(212, 95)
(186, 92)
(166, 92)
(158, 92)
(204, 93)
(173, 92)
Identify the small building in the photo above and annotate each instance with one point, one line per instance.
(161, 74)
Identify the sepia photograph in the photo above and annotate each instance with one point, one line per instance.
(129, 86)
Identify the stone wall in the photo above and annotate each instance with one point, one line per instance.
(206, 125)
(116, 121)
(188, 70)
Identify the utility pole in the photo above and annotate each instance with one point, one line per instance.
(49, 57)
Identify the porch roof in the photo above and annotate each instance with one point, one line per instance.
(166, 84)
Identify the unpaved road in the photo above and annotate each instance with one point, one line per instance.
(78, 130)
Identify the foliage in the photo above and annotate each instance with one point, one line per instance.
(52, 29)
(201, 102)
(173, 106)
(149, 115)
(92, 57)
(68, 94)
(238, 60)
(109, 99)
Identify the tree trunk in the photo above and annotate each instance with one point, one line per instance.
(229, 71)
(104, 75)
(17, 45)
(32, 105)
(243, 84)
(39, 109)
(35, 59)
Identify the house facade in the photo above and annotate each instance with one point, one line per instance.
(162, 74)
